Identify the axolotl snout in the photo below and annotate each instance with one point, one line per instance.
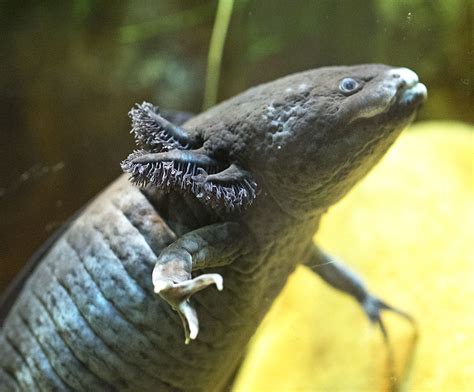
(231, 198)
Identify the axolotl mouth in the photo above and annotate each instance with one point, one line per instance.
(401, 87)
(398, 90)
(411, 91)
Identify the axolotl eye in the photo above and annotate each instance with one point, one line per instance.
(349, 86)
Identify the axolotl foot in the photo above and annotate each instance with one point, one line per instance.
(373, 308)
(178, 293)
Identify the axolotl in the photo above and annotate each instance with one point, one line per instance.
(161, 281)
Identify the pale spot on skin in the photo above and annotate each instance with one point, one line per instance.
(282, 119)
(303, 87)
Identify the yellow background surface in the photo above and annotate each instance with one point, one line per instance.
(408, 229)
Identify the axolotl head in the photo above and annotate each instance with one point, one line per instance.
(303, 140)
(320, 131)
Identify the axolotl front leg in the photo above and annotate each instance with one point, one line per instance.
(172, 158)
(207, 247)
(342, 278)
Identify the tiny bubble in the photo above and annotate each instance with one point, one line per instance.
(279, 147)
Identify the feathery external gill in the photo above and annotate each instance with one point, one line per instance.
(192, 171)
(153, 132)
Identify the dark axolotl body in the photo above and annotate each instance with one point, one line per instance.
(231, 199)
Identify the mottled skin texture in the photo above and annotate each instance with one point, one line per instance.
(88, 318)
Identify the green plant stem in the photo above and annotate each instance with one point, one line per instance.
(216, 49)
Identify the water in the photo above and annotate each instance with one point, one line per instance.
(70, 71)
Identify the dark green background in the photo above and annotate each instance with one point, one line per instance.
(70, 71)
